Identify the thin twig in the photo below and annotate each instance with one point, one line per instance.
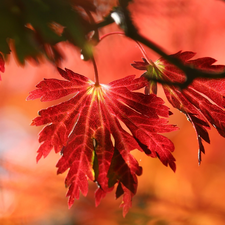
(122, 33)
(190, 72)
(132, 32)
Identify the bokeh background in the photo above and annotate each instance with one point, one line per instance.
(32, 194)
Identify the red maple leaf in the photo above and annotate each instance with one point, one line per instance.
(202, 101)
(97, 129)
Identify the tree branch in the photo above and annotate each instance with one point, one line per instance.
(132, 32)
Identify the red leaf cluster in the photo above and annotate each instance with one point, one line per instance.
(202, 101)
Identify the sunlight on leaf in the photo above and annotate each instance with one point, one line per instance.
(202, 101)
(81, 129)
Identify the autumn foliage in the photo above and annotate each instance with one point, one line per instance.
(97, 127)
(89, 129)
(202, 101)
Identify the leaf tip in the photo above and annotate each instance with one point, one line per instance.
(32, 123)
(70, 204)
(173, 166)
(38, 157)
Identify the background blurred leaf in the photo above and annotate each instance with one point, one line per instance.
(34, 27)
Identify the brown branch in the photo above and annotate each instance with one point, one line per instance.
(191, 73)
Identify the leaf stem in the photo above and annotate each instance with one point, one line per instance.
(138, 43)
(96, 72)
(131, 31)
(144, 52)
(109, 34)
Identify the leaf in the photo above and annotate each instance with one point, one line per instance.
(35, 27)
(202, 101)
(97, 129)
(2, 65)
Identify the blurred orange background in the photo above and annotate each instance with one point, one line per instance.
(32, 194)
